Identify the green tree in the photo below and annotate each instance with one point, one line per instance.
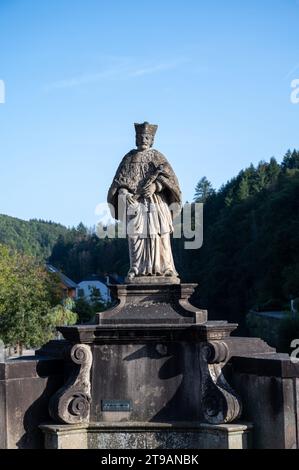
(273, 170)
(87, 308)
(243, 189)
(33, 237)
(97, 302)
(84, 310)
(28, 294)
(203, 190)
(250, 253)
(82, 231)
(291, 160)
(63, 314)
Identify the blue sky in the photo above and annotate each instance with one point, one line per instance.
(214, 75)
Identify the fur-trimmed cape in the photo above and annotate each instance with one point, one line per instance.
(136, 168)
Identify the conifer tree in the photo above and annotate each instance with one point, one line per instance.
(203, 190)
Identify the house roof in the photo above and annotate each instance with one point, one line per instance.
(64, 279)
(112, 279)
(91, 281)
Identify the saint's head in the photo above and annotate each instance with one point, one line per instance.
(145, 134)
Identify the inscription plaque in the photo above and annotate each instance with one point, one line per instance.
(116, 405)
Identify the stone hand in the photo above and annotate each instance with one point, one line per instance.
(149, 190)
(130, 199)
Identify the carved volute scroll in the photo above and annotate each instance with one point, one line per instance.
(71, 404)
(220, 402)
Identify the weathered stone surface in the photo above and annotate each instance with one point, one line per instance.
(183, 435)
(71, 404)
(142, 191)
(153, 280)
(26, 386)
(220, 403)
(178, 378)
(151, 350)
(162, 368)
(148, 303)
(152, 332)
(161, 379)
(269, 388)
(154, 349)
(65, 438)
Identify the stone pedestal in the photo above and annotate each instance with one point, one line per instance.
(151, 361)
(137, 435)
(153, 303)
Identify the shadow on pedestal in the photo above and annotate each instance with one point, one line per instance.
(153, 372)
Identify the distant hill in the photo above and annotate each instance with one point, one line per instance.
(250, 253)
(35, 237)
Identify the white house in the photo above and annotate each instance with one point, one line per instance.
(86, 287)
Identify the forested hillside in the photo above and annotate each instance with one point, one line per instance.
(81, 254)
(250, 254)
(34, 237)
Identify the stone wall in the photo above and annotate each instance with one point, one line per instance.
(269, 388)
(26, 384)
(268, 385)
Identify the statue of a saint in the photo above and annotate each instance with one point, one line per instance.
(146, 186)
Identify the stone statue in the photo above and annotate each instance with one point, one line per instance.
(146, 187)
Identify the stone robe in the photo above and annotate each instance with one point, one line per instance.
(149, 220)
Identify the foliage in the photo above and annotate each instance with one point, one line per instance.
(203, 190)
(79, 257)
(251, 246)
(291, 160)
(35, 237)
(86, 309)
(27, 297)
(250, 250)
(63, 314)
